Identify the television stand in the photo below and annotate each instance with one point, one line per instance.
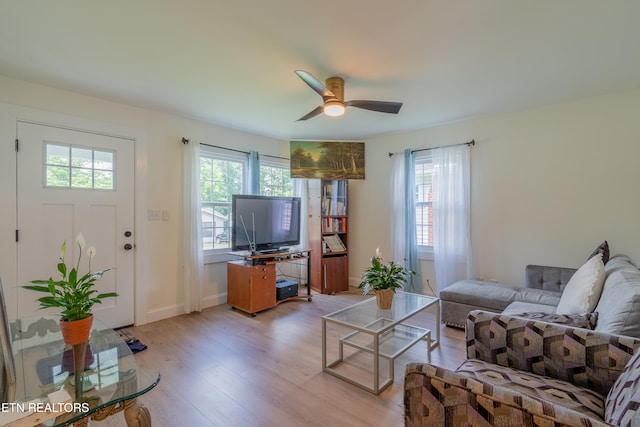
(251, 280)
(268, 251)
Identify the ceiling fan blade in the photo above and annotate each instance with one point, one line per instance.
(311, 114)
(380, 106)
(315, 84)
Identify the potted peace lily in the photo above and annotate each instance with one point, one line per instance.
(384, 279)
(73, 294)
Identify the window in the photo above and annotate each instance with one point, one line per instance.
(76, 167)
(221, 176)
(424, 200)
(275, 179)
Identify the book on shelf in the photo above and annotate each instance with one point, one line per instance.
(334, 243)
(334, 225)
(333, 207)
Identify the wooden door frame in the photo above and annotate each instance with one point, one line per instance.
(10, 115)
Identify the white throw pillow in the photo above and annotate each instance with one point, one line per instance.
(582, 292)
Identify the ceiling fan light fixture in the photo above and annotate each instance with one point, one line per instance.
(334, 108)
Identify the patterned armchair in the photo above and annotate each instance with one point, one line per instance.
(522, 372)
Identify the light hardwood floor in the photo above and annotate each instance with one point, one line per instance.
(222, 367)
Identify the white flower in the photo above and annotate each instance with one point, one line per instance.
(378, 253)
(80, 241)
(91, 252)
(63, 250)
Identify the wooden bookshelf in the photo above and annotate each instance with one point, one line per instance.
(328, 235)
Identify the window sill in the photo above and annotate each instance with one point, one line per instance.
(425, 253)
(216, 257)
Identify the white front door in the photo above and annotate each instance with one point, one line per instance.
(72, 181)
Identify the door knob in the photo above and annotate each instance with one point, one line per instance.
(128, 246)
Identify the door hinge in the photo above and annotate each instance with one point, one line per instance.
(17, 145)
(16, 235)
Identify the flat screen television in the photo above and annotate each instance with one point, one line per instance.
(264, 223)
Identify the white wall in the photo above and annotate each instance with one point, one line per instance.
(162, 161)
(548, 185)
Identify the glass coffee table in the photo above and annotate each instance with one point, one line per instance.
(381, 333)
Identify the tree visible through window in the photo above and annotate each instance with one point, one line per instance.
(85, 168)
(424, 200)
(275, 181)
(222, 176)
(219, 180)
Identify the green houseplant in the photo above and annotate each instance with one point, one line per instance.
(384, 279)
(72, 293)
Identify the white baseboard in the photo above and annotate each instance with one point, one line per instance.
(213, 300)
(178, 309)
(164, 313)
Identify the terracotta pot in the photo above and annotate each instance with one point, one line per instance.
(76, 332)
(384, 298)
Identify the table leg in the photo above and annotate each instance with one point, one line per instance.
(434, 344)
(376, 364)
(324, 344)
(136, 415)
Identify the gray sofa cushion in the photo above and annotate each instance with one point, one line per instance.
(538, 296)
(619, 305)
(618, 262)
(533, 300)
(528, 307)
(547, 278)
(491, 296)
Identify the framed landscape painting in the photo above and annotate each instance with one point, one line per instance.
(327, 159)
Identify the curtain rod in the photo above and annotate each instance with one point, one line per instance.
(186, 141)
(472, 142)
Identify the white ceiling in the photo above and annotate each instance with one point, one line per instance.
(231, 62)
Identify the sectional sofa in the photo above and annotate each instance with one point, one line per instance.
(615, 306)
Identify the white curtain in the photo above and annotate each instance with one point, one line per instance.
(403, 225)
(192, 228)
(451, 214)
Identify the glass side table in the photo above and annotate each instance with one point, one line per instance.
(110, 383)
(382, 333)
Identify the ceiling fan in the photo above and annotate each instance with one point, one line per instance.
(333, 98)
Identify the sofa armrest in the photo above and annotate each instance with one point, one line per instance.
(547, 277)
(581, 356)
(436, 397)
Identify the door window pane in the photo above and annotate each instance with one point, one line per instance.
(75, 167)
(57, 155)
(58, 176)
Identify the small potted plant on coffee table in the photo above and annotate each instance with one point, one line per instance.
(384, 279)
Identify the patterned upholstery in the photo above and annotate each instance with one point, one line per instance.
(541, 389)
(623, 401)
(585, 320)
(586, 358)
(528, 373)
